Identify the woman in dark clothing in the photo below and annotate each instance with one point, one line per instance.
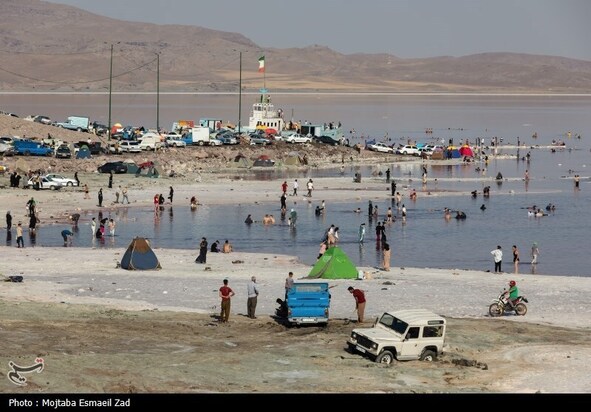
(202, 258)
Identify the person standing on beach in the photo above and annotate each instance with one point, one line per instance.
(577, 180)
(100, 197)
(124, 194)
(288, 283)
(498, 258)
(93, 226)
(8, 221)
(516, 258)
(252, 290)
(370, 209)
(86, 192)
(388, 177)
(295, 187)
(202, 258)
(359, 302)
(535, 252)
(110, 180)
(225, 294)
(284, 187)
(310, 186)
(283, 201)
(76, 178)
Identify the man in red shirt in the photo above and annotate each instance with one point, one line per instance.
(359, 302)
(284, 187)
(225, 293)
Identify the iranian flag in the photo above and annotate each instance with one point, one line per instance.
(262, 64)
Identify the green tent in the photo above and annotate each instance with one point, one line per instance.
(334, 264)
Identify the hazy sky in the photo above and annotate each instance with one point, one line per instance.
(405, 28)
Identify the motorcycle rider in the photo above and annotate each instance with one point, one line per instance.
(513, 293)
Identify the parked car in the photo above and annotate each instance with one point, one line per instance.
(65, 181)
(128, 146)
(113, 148)
(401, 335)
(298, 138)
(42, 119)
(63, 152)
(98, 129)
(227, 138)
(380, 147)
(408, 149)
(6, 149)
(174, 140)
(258, 139)
(44, 183)
(326, 140)
(115, 167)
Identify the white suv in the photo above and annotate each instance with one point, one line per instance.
(402, 335)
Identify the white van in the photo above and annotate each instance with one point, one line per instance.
(150, 141)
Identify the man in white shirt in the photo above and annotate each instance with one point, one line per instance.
(498, 258)
(252, 290)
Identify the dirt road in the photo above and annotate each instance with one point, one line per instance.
(95, 350)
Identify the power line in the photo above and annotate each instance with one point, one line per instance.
(73, 82)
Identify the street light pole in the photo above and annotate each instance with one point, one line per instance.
(110, 92)
(158, 93)
(240, 95)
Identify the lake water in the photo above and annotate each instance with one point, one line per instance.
(426, 239)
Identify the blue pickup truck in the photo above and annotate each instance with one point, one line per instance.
(30, 147)
(308, 303)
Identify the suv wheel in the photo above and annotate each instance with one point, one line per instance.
(428, 356)
(386, 357)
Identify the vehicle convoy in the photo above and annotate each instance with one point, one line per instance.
(78, 123)
(402, 335)
(308, 303)
(501, 305)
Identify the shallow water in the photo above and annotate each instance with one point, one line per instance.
(426, 239)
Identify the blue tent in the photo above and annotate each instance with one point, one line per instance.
(83, 153)
(140, 256)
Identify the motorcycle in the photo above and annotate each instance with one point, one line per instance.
(501, 305)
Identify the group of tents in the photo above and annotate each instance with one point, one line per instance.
(333, 264)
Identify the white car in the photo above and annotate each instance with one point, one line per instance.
(65, 181)
(174, 140)
(380, 147)
(298, 138)
(128, 146)
(45, 183)
(409, 149)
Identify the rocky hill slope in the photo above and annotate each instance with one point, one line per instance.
(42, 53)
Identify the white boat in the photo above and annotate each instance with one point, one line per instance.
(264, 115)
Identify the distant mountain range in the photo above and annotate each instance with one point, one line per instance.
(48, 47)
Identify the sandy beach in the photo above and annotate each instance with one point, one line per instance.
(67, 290)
